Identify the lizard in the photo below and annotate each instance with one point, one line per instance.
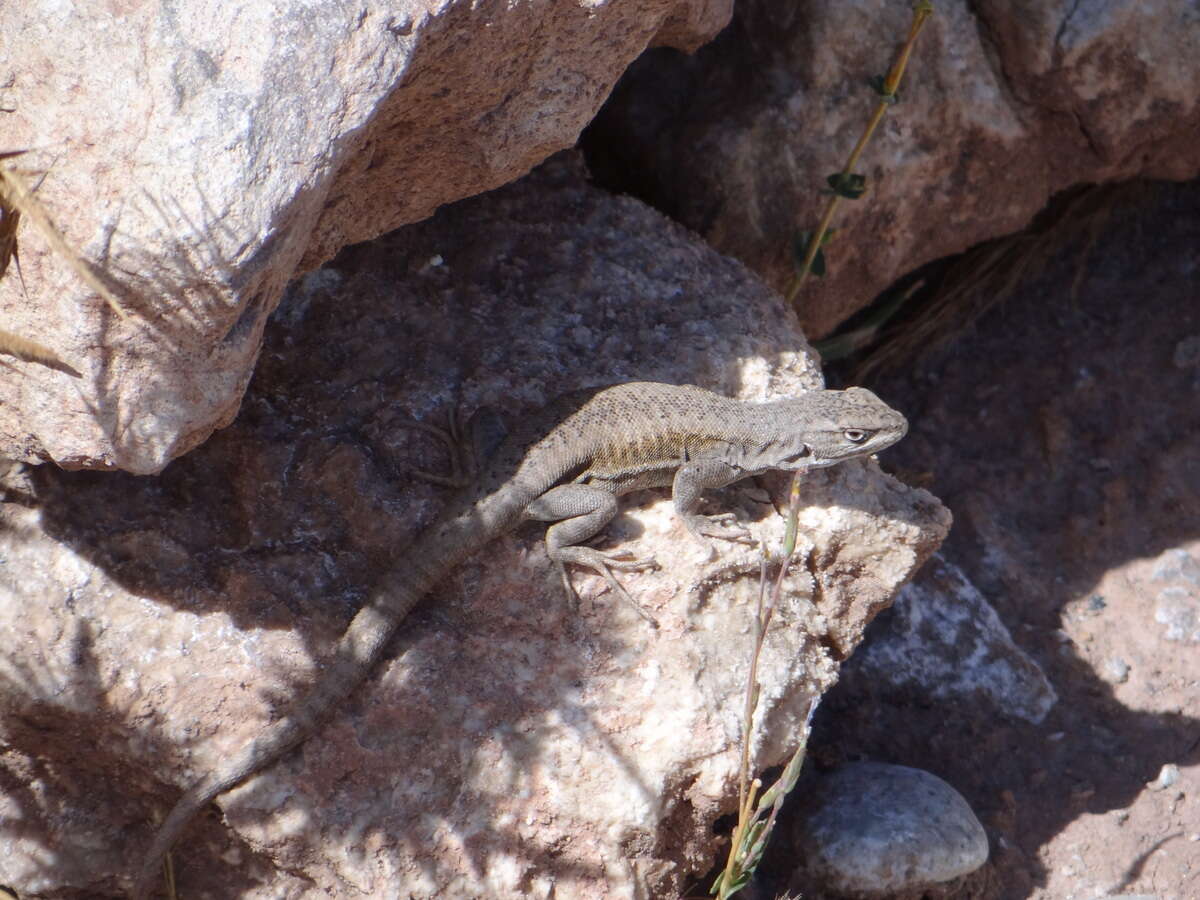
(567, 464)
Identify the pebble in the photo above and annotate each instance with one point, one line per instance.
(1167, 776)
(875, 829)
(1115, 670)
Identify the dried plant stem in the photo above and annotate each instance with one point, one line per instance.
(922, 10)
(16, 195)
(750, 834)
(32, 351)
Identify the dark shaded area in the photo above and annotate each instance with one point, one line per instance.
(1062, 431)
(667, 101)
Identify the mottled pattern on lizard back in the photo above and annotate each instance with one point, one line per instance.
(638, 433)
(642, 432)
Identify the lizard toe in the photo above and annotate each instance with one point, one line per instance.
(724, 526)
(603, 565)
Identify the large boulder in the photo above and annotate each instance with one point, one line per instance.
(517, 748)
(1004, 105)
(200, 155)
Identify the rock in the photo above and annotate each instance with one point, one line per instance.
(1000, 110)
(943, 640)
(1177, 576)
(1168, 776)
(506, 746)
(201, 155)
(1003, 422)
(1115, 670)
(874, 830)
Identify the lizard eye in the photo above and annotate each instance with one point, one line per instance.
(854, 435)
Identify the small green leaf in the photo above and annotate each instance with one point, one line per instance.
(800, 247)
(716, 885)
(818, 264)
(741, 877)
(740, 881)
(879, 86)
(850, 185)
(800, 251)
(753, 848)
(923, 6)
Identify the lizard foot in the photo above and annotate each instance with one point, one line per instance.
(603, 564)
(724, 526)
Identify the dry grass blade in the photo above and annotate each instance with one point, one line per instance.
(18, 200)
(989, 273)
(10, 218)
(12, 344)
(32, 351)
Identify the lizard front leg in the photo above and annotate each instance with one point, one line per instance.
(580, 511)
(691, 479)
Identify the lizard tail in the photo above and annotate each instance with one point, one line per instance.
(355, 653)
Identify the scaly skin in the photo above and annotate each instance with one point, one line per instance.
(567, 464)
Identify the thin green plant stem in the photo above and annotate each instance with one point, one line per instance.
(751, 696)
(922, 10)
(743, 851)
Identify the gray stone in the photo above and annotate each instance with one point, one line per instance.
(1168, 776)
(874, 829)
(1178, 603)
(942, 638)
(1115, 670)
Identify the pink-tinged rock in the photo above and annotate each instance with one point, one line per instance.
(506, 746)
(201, 154)
(1003, 106)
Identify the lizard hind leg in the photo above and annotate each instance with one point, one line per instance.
(578, 512)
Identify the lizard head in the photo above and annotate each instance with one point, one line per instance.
(821, 428)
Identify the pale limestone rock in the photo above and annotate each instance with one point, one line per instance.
(506, 747)
(203, 153)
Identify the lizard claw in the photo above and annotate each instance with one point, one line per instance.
(724, 526)
(627, 562)
(603, 564)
